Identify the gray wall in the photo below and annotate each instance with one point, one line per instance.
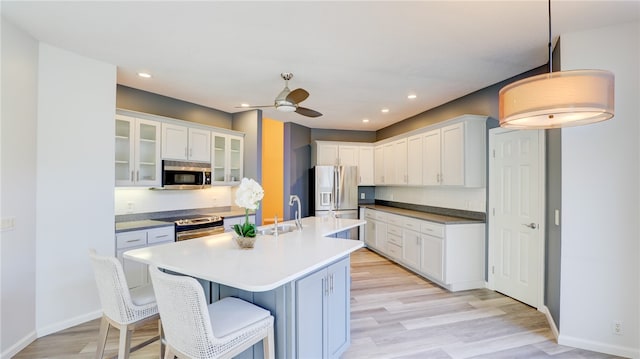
(297, 161)
(318, 134)
(147, 102)
(250, 122)
(481, 102)
(553, 201)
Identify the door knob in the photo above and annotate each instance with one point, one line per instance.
(530, 225)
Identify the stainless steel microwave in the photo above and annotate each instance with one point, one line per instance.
(185, 175)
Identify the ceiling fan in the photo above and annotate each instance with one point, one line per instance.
(287, 100)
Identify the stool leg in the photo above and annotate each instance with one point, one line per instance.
(102, 337)
(161, 334)
(125, 342)
(268, 345)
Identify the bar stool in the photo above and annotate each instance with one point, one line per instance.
(196, 330)
(122, 308)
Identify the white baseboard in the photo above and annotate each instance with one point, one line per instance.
(600, 347)
(68, 323)
(17, 347)
(545, 310)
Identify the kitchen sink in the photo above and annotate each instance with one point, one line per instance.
(282, 228)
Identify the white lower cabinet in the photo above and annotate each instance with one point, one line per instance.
(230, 221)
(323, 312)
(370, 228)
(411, 248)
(136, 272)
(432, 254)
(452, 255)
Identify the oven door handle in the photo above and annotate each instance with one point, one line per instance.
(196, 233)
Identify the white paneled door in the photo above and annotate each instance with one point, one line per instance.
(516, 214)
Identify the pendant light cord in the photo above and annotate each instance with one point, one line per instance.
(550, 51)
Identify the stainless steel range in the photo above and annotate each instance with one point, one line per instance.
(194, 226)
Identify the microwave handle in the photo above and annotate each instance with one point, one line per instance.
(204, 177)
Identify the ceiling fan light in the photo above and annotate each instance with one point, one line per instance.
(286, 108)
(557, 99)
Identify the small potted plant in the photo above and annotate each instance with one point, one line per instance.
(248, 196)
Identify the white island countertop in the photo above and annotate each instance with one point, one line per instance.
(272, 262)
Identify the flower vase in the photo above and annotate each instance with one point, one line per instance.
(244, 242)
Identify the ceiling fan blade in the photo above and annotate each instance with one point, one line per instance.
(308, 112)
(297, 95)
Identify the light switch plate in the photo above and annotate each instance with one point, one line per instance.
(7, 224)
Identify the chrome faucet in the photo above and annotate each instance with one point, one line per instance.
(298, 214)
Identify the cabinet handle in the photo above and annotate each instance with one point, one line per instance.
(185, 152)
(325, 284)
(134, 240)
(131, 178)
(162, 236)
(137, 176)
(191, 152)
(331, 284)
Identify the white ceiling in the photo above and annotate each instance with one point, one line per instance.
(354, 57)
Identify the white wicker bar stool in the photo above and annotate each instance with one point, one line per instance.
(196, 330)
(122, 308)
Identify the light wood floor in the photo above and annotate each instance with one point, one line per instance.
(394, 314)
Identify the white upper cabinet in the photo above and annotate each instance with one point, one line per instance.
(348, 155)
(431, 158)
(414, 160)
(454, 155)
(137, 157)
(185, 143)
(400, 161)
(365, 166)
(327, 153)
(228, 158)
(378, 166)
(389, 164)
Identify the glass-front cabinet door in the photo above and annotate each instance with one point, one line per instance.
(219, 163)
(137, 158)
(125, 169)
(228, 158)
(235, 158)
(148, 153)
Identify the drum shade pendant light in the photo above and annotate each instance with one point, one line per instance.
(557, 99)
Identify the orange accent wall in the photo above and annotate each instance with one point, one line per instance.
(272, 170)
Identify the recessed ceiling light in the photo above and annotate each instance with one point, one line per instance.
(365, 120)
(144, 74)
(385, 110)
(244, 105)
(412, 96)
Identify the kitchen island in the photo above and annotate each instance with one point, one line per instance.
(302, 277)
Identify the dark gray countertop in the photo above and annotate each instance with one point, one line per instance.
(432, 217)
(141, 225)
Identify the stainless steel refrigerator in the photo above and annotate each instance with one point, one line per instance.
(335, 189)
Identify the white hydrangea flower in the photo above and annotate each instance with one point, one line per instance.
(249, 194)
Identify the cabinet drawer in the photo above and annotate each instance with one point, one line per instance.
(412, 224)
(131, 239)
(391, 229)
(396, 239)
(369, 214)
(394, 251)
(432, 229)
(380, 216)
(393, 219)
(164, 234)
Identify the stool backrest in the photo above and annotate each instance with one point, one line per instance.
(184, 313)
(113, 289)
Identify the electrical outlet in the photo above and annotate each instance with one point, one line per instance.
(362, 195)
(130, 207)
(617, 328)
